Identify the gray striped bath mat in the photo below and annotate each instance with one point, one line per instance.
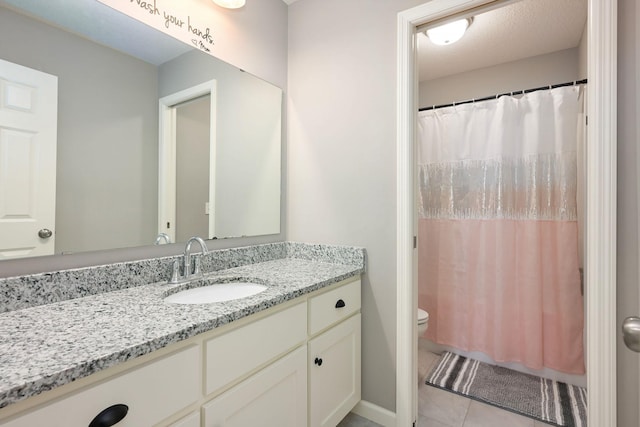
(549, 401)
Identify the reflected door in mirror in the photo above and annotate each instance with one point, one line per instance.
(28, 135)
(193, 169)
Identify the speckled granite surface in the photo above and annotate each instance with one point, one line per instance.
(50, 345)
(38, 289)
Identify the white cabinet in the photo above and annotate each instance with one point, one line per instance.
(334, 355)
(276, 396)
(297, 364)
(334, 373)
(331, 307)
(151, 393)
(240, 351)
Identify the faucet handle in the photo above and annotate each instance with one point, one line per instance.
(196, 268)
(186, 266)
(175, 271)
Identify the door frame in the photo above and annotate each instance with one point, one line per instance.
(600, 224)
(167, 155)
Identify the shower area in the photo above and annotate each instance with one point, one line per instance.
(499, 196)
(499, 269)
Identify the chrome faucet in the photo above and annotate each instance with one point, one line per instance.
(187, 274)
(187, 258)
(161, 237)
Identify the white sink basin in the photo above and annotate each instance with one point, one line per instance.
(218, 292)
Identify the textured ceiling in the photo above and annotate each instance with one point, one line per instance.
(520, 30)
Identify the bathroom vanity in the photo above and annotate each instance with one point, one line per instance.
(288, 356)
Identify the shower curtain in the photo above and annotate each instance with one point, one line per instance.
(498, 266)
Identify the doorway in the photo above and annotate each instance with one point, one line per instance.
(187, 161)
(601, 205)
(193, 126)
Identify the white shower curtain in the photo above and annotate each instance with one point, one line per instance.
(498, 254)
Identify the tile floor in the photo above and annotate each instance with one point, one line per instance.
(439, 408)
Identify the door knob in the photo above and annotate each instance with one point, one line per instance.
(45, 233)
(631, 333)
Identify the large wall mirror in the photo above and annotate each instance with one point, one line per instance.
(151, 135)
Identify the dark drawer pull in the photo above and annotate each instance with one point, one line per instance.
(110, 416)
(318, 361)
(340, 304)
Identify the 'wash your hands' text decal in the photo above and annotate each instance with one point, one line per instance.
(171, 18)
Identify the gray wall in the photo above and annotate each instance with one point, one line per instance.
(583, 54)
(342, 150)
(106, 107)
(542, 70)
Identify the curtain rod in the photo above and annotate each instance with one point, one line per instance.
(518, 92)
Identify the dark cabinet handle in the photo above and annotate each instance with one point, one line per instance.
(340, 304)
(110, 416)
(318, 361)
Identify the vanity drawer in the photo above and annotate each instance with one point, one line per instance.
(231, 356)
(152, 393)
(275, 396)
(333, 306)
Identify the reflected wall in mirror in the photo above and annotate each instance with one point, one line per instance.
(108, 156)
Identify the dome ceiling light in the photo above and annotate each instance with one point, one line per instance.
(230, 4)
(448, 33)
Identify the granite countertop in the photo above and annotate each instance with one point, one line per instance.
(47, 346)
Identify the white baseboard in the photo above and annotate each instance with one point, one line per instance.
(375, 413)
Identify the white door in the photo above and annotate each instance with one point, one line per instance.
(631, 338)
(28, 135)
(628, 242)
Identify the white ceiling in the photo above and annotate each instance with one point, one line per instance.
(520, 30)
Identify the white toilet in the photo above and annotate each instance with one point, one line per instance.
(423, 322)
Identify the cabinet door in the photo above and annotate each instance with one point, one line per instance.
(273, 397)
(235, 354)
(334, 373)
(151, 392)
